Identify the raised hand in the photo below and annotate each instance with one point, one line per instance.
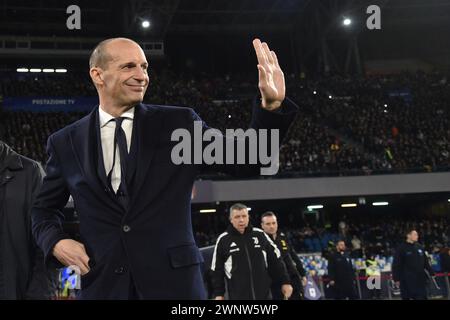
(271, 78)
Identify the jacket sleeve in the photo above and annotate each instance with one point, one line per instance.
(46, 216)
(276, 265)
(261, 119)
(40, 285)
(397, 263)
(297, 261)
(218, 269)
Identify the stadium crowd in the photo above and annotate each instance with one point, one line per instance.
(346, 125)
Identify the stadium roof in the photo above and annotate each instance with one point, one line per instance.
(102, 18)
(307, 33)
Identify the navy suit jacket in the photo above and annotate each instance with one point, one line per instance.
(150, 243)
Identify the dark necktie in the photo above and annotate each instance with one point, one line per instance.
(120, 140)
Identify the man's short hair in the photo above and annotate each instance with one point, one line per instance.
(238, 206)
(268, 214)
(100, 56)
(409, 231)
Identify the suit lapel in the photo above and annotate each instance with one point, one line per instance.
(84, 144)
(99, 161)
(147, 130)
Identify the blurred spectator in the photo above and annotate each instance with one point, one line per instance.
(356, 247)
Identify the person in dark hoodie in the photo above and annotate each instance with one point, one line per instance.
(22, 270)
(248, 259)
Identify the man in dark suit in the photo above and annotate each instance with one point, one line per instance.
(135, 221)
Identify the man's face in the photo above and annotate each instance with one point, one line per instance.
(270, 225)
(125, 77)
(239, 219)
(413, 236)
(340, 246)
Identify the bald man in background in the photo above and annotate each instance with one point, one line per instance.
(133, 202)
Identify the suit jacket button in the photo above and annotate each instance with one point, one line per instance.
(126, 228)
(120, 270)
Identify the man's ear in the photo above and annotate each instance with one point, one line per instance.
(96, 75)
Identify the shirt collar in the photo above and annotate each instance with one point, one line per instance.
(105, 117)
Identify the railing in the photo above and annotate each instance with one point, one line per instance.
(438, 290)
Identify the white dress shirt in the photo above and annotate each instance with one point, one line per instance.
(107, 128)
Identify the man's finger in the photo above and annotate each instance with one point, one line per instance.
(258, 50)
(264, 56)
(275, 59)
(267, 53)
(84, 261)
(262, 76)
(83, 267)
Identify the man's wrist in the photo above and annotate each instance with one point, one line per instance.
(272, 106)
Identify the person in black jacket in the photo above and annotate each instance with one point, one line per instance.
(22, 271)
(293, 264)
(410, 268)
(342, 273)
(248, 259)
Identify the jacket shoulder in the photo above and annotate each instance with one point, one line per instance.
(64, 132)
(258, 230)
(168, 109)
(30, 163)
(261, 234)
(334, 255)
(222, 237)
(173, 116)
